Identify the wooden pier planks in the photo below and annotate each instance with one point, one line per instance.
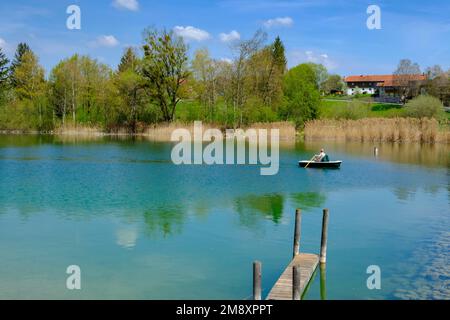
(282, 290)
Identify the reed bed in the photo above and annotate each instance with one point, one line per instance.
(379, 130)
(163, 132)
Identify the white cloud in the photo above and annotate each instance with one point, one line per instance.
(7, 48)
(229, 37)
(297, 57)
(191, 33)
(106, 41)
(227, 60)
(131, 5)
(279, 22)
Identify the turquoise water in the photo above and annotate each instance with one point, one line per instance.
(142, 228)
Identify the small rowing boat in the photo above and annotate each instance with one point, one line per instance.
(321, 165)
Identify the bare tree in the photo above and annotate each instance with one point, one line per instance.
(406, 79)
(244, 50)
(206, 73)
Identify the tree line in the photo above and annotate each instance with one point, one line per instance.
(160, 83)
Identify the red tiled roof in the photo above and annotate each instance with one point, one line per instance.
(383, 80)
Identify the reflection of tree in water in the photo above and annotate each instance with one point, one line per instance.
(252, 208)
(404, 194)
(25, 140)
(308, 200)
(167, 221)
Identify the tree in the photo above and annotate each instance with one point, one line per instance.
(239, 92)
(405, 79)
(205, 71)
(302, 94)
(31, 87)
(80, 86)
(438, 84)
(279, 55)
(29, 77)
(424, 106)
(4, 72)
(321, 74)
(128, 61)
(434, 72)
(277, 64)
(131, 89)
(21, 50)
(60, 89)
(334, 83)
(164, 69)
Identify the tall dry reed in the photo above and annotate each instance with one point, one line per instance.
(163, 132)
(378, 130)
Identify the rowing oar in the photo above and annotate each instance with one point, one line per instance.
(310, 162)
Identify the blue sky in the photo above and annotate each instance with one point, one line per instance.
(332, 32)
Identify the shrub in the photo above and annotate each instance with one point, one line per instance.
(424, 106)
(352, 111)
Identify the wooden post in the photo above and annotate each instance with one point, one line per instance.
(257, 291)
(323, 281)
(296, 283)
(323, 246)
(297, 232)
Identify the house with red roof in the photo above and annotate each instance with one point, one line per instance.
(381, 85)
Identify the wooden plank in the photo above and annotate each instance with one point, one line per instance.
(282, 290)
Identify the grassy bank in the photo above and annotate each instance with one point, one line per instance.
(378, 130)
(358, 109)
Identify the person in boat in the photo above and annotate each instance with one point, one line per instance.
(322, 157)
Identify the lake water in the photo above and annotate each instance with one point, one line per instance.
(140, 227)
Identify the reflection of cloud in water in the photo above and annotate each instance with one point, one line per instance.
(126, 237)
(431, 279)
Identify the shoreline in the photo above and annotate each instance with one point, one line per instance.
(160, 132)
(368, 130)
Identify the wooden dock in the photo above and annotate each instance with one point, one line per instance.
(298, 274)
(283, 288)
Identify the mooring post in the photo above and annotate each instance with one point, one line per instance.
(296, 283)
(297, 232)
(323, 246)
(323, 281)
(257, 291)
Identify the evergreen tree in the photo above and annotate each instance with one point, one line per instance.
(129, 60)
(278, 54)
(29, 77)
(21, 50)
(4, 70)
